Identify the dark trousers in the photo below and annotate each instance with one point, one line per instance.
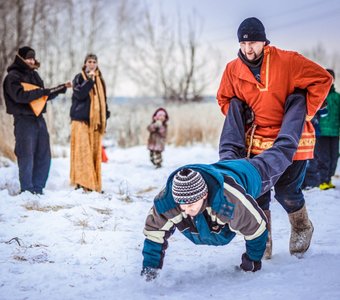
(156, 158)
(312, 177)
(275, 162)
(32, 148)
(328, 154)
(288, 189)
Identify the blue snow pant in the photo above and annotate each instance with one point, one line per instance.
(275, 164)
(32, 148)
(328, 154)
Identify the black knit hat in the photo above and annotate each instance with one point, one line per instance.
(252, 30)
(26, 52)
(188, 186)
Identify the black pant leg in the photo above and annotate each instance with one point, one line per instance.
(42, 157)
(25, 132)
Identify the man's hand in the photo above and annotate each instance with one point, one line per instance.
(249, 265)
(68, 84)
(149, 273)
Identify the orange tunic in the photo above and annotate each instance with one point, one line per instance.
(281, 72)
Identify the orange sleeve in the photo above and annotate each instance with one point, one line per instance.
(225, 91)
(315, 79)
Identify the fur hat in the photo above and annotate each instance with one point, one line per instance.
(252, 30)
(188, 186)
(26, 52)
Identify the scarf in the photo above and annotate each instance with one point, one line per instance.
(98, 103)
(254, 66)
(251, 64)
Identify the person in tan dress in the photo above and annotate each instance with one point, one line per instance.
(89, 113)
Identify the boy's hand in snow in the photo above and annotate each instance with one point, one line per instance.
(149, 273)
(249, 265)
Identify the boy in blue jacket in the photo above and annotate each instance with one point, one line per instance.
(209, 204)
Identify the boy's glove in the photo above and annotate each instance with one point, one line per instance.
(149, 273)
(249, 265)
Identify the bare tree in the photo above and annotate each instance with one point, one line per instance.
(122, 22)
(11, 32)
(168, 62)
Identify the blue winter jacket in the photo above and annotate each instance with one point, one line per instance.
(229, 209)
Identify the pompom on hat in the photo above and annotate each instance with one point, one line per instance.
(188, 186)
(252, 30)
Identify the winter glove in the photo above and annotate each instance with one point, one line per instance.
(149, 273)
(249, 265)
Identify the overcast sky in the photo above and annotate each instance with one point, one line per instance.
(290, 24)
(299, 25)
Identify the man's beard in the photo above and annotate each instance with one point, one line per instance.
(255, 57)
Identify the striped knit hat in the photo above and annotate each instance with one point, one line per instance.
(188, 186)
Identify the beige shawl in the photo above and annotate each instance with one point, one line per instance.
(86, 141)
(98, 104)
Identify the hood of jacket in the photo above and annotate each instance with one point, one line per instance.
(240, 170)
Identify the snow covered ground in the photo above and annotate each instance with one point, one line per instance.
(70, 245)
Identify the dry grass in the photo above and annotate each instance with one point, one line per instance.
(35, 205)
(103, 211)
(84, 223)
(124, 192)
(195, 123)
(189, 124)
(6, 135)
(19, 258)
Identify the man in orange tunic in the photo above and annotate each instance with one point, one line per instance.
(262, 77)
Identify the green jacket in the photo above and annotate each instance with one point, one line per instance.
(330, 124)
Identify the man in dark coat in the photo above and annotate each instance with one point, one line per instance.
(21, 86)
